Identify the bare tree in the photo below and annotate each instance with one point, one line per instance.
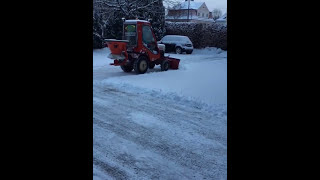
(171, 3)
(174, 9)
(216, 14)
(107, 15)
(127, 7)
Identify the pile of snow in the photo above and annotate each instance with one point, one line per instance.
(216, 52)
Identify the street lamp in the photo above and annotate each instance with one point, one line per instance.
(188, 9)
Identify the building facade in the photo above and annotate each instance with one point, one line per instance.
(193, 12)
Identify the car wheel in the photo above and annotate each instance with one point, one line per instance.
(178, 50)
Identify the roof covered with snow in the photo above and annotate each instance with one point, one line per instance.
(176, 36)
(193, 5)
(191, 18)
(135, 21)
(223, 18)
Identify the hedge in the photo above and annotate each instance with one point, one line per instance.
(201, 35)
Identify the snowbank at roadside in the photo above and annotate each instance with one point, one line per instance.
(217, 52)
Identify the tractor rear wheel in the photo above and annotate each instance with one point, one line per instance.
(140, 65)
(164, 65)
(126, 68)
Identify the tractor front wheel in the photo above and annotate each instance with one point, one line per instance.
(164, 65)
(140, 65)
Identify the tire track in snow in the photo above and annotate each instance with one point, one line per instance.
(181, 136)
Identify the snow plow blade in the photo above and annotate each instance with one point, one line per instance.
(174, 63)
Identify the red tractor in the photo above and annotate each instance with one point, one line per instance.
(139, 49)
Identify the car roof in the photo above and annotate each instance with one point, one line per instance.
(175, 36)
(136, 20)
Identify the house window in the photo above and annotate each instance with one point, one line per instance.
(198, 14)
(207, 15)
(202, 14)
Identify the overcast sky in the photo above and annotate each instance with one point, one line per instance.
(212, 4)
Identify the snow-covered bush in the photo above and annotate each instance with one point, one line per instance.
(97, 31)
(201, 35)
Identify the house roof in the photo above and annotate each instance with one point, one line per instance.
(191, 18)
(193, 5)
(136, 20)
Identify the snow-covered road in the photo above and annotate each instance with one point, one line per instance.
(145, 130)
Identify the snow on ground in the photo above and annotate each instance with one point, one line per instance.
(161, 125)
(203, 78)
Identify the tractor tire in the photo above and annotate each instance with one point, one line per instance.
(140, 65)
(164, 65)
(127, 68)
(178, 50)
(151, 65)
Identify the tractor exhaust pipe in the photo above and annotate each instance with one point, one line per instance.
(123, 20)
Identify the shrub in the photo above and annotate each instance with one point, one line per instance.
(201, 35)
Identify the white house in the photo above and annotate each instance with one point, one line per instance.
(195, 12)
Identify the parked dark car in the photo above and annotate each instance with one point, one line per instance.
(177, 44)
